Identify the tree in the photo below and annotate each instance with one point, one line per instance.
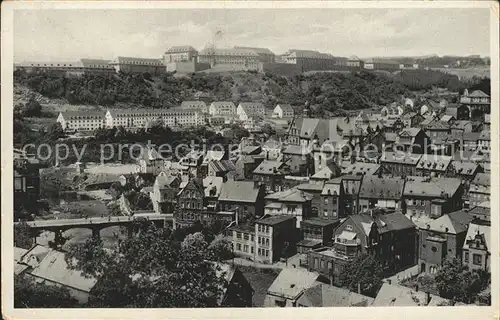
(32, 108)
(456, 283)
(221, 248)
(55, 131)
(150, 269)
(29, 294)
(267, 129)
(366, 272)
(23, 237)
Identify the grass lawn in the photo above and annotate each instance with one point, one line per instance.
(261, 280)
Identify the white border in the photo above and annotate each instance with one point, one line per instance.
(384, 313)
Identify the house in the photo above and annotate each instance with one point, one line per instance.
(432, 197)
(351, 186)
(250, 110)
(400, 163)
(151, 161)
(242, 237)
(222, 109)
(391, 237)
(391, 295)
(291, 202)
(190, 203)
(363, 168)
(332, 170)
(484, 141)
(461, 127)
(283, 110)
(378, 192)
(466, 171)
(195, 105)
(332, 204)
(48, 266)
(298, 160)
(165, 190)
(314, 188)
(412, 119)
(81, 121)
(271, 174)
(193, 162)
(272, 149)
(442, 239)
(138, 65)
(315, 232)
(237, 292)
(448, 119)
(275, 238)
(478, 103)
(329, 152)
(213, 187)
(243, 197)
(220, 168)
(437, 130)
(180, 54)
(413, 140)
(479, 189)
(477, 246)
(470, 140)
(459, 112)
(288, 287)
(245, 166)
(144, 118)
(323, 295)
(434, 165)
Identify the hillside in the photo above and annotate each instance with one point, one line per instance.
(328, 91)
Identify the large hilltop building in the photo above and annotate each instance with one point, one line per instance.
(265, 55)
(180, 54)
(138, 65)
(309, 60)
(232, 59)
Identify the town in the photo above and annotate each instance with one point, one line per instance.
(190, 198)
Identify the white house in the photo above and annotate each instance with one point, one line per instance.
(248, 110)
(195, 105)
(283, 111)
(81, 121)
(225, 109)
(142, 118)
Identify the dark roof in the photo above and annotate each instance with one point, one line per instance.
(222, 165)
(374, 187)
(431, 187)
(243, 227)
(482, 179)
(274, 220)
(406, 158)
(316, 221)
(385, 222)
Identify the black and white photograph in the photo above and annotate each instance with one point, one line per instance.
(230, 156)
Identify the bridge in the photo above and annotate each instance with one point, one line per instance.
(96, 224)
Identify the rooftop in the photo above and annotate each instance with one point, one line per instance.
(239, 191)
(315, 221)
(274, 220)
(290, 195)
(478, 229)
(290, 283)
(374, 187)
(400, 157)
(323, 295)
(431, 187)
(453, 223)
(399, 296)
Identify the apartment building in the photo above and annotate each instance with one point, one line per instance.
(142, 118)
(250, 110)
(138, 65)
(275, 237)
(283, 110)
(310, 60)
(479, 189)
(230, 59)
(180, 54)
(224, 109)
(291, 202)
(477, 246)
(81, 121)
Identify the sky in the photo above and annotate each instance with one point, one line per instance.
(68, 35)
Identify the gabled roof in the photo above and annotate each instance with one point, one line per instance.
(290, 283)
(361, 168)
(398, 296)
(274, 220)
(323, 295)
(269, 167)
(222, 165)
(213, 155)
(325, 173)
(395, 157)
(431, 187)
(265, 51)
(385, 222)
(412, 132)
(239, 191)
(482, 179)
(228, 52)
(72, 115)
(481, 229)
(213, 186)
(478, 94)
(285, 107)
(373, 187)
(454, 222)
(139, 61)
(465, 168)
(290, 195)
(485, 135)
(164, 180)
(223, 104)
(434, 162)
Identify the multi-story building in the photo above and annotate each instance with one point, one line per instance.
(477, 246)
(271, 174)
(413, 140)
(379, 64)
(195, 105)
(412, 119)
(250, 110)
(230, 59)
(434, 165)
(484, 142)
(180, 54)
(264, 55)
(332, 200)
(479, 189)
(465, 171)
(138, 65)
(81, 121)
(76, 68)
(378, 192)
(355, 62)
(390, 237)
(242, 197)
(276, 237)
(437, 130)
(351, 186)
(432, 197)
(316, 232)
(310, 60)
(142, 118)
(242, 237)
(224, 109)
(400, 163)
(190, 203)
(442, 239)
(192, 162)
(477, 102)
(283, 110)
(164, 193)
(291, 202)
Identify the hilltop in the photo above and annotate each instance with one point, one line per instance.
(329, 91)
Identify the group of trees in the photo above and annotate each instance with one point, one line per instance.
(457, 283)
(364, 274)
(154, 268)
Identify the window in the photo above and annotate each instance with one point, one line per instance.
(267, 253)
(246, 236)
(252, 237)
(477, 259)
(434, 249)
(267, 229)
(238, 246)
(325, 213)
(251, 249)
(238, 235)
(267, 241)
(259, 240)
(326, 200)
(245, 248)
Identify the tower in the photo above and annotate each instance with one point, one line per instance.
(306, 112)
